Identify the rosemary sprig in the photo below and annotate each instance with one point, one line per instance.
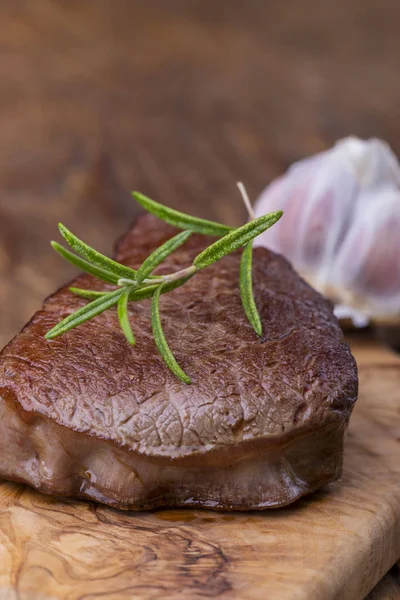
(134, 285)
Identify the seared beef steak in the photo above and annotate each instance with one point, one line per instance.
(87, 415)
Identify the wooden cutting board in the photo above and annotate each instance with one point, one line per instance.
(335, 544)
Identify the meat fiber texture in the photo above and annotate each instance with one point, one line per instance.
(87, 415)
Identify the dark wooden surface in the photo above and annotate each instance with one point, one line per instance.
(178, 99)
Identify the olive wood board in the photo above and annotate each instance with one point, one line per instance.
(335, 544)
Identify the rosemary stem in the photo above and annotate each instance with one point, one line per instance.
(123, 281)
(161, 279)
(173, 276)
(246, 200)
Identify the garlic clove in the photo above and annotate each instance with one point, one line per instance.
(341, 225)
(371, 161)
(316, 196)
(367, 266)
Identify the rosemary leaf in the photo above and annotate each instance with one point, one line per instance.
(96, 258)
(85, 313)
(84, 265)
(234, 240)
(246, 289)
(88, 294)
(124, 317)
(143, 293)
(180, 220)
(160, 254)
(160, 340)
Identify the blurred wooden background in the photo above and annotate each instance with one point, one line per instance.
(178, 99)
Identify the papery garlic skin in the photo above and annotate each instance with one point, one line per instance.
(341, 226)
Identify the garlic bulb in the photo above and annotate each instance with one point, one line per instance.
(341, 226)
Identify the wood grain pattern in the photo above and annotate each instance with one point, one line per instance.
(335, 544)
(178, 99)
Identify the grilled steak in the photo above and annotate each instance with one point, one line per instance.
(87, 415)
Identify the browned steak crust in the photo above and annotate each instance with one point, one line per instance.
(262, 424)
